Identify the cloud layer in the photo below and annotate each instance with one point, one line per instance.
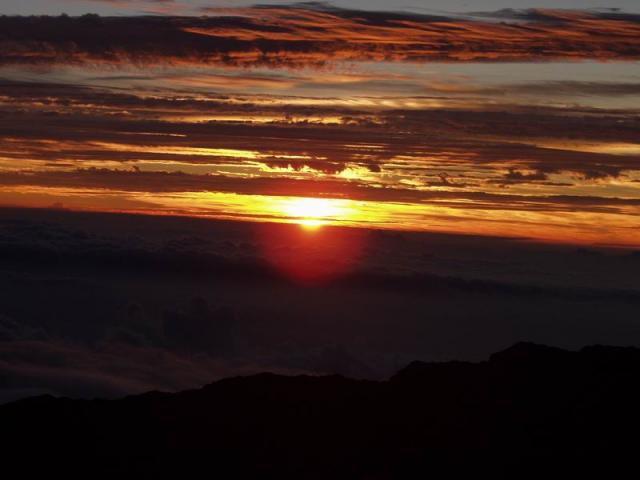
(314, 34)
(105, 305)
(468, 162)
(163, 115)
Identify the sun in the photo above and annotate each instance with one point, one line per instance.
(311, 213)
(313, 251)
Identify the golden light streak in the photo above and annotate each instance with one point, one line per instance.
(256, 118)
(206, 152)
(573, 227)
(609, 148)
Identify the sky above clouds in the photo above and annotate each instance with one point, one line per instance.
(118, 7)
(459, 118)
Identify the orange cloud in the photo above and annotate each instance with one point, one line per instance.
(314, 35)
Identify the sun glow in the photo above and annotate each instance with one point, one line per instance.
(312, 213)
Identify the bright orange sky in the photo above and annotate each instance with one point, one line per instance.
(366, 124)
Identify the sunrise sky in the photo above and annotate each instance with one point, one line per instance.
(438, 116)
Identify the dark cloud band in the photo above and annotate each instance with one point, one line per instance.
(311, 34)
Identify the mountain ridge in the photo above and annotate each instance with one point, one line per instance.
(529, 408)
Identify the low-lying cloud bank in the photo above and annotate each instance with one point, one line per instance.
(105, 305)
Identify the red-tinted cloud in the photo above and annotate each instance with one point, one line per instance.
(315, 34)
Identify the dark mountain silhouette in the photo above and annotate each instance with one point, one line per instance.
(528, 411)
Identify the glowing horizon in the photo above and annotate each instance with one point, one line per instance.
(313, 213)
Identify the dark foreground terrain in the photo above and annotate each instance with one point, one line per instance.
(528, 411)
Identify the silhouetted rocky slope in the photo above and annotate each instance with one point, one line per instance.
(528, 411)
